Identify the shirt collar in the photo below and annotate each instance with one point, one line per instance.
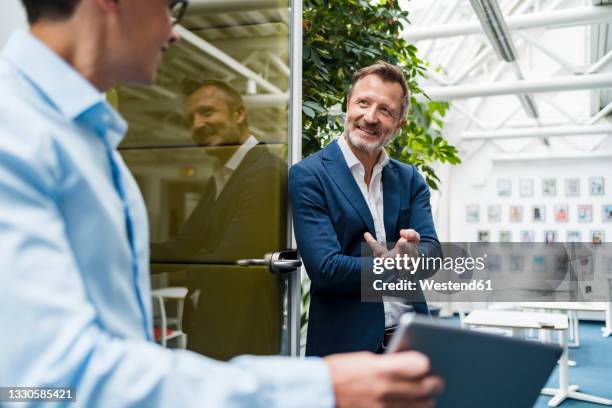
(353, 161)
(62, 86)
(233, 163)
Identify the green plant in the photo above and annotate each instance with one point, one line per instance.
(342, 36)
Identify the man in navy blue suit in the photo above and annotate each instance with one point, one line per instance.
(349, 193)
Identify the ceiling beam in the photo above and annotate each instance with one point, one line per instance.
(550, 131)
(568, 17)
(200, 7)
(556, 84)
(226, 59)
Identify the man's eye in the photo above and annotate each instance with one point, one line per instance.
(363, 103)
(204, 112)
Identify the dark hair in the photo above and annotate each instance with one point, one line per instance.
(388, 73)
(232, 96)
(49, 9)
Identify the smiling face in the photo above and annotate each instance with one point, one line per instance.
(213, 119)
(373, 114)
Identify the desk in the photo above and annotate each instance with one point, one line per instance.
(571, 308)
(540, 321)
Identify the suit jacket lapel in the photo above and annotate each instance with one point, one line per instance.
(391, 199)
(340, 173)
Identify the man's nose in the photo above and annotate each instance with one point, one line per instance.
(370, 115)
(174, 36)
(198, 121)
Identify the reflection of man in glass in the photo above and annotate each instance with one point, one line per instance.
(240, 214)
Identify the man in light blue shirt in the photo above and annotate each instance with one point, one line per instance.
(74, 275)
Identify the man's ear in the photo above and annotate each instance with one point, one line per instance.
(240, 114)
(401, 124)
(108, 6)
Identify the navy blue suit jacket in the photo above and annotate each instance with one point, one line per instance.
(330, 217)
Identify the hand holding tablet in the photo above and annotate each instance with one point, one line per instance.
(478, 369)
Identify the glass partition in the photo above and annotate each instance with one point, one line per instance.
(208, 146)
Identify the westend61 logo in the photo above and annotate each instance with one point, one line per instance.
(408, 263)
(492, 272)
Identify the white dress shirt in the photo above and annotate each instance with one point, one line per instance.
(223, 174)
(373, 196)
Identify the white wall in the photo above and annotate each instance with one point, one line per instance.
(475, 183)
(12, 16)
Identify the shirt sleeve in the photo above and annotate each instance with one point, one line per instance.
(51, 334)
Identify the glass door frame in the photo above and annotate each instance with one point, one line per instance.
(294, 302)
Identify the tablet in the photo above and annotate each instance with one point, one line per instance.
(479, 369)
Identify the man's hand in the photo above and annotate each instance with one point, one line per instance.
(392, 380)
(409, 238)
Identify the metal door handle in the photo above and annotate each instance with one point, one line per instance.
(280, 262)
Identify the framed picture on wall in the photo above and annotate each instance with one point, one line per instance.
(538, 264)
(549, 187)
(606, 212)
(526, 187)
(483, 236)
(494, 263)
(561, 213)
(573, 236)
(550, 237)
(505, 236)
(494, 213)
(516, 263)
(596, 185)
(608, 265)
(572, 187)
(472, 213)
(597, 237)
(504, 187)
(538, 213)
(516, 213)
(527, 236)
(585, 213)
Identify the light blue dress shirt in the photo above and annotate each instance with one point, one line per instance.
(75, 307)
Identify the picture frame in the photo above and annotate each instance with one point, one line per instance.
(516, 213)
(484, 236)
(598, 236)
(494, 263)
(584, 269)
(561, 213)
(550, 237)
(527, 236)
(608, 265)
(549, 187)
(538, 213)
(472, 213)
(504, 187)
(494, 213)
(573, 236)
(505, 236)
(596, 186)
(516, 263)
(526, 187)
(585, 213)
(572, 187)
(606, 212)
(538, 264)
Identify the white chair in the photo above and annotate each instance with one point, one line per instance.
(169, 327)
